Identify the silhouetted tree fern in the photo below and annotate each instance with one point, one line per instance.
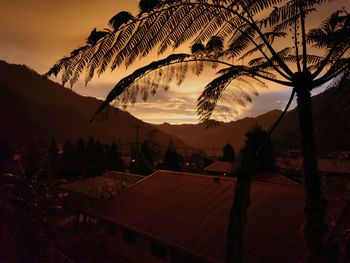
(258, 149)
(251, 41)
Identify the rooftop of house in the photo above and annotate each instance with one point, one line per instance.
(220, 167)
(274, 178)
(324, 165)
(103, 187)
(190, 212)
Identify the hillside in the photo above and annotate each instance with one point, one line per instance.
(331, 110)
(33, 109)
(232, 132)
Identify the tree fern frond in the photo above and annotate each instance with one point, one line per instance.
(95, 36)
(79, 67)
(207, 101)
(137, 36)
(215, 25)
(98, 56)
(120, 19)
(127, 81)
(240, 41)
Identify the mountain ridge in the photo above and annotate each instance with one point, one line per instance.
(33, 108)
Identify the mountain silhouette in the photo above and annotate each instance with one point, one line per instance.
(331, 115)
(232, 132)
(34, 109)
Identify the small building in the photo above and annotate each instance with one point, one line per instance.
(220, 168)
(78, 196)
(102, 187)
(335, 172)
(181, 217)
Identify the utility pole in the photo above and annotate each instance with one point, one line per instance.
(137, 143)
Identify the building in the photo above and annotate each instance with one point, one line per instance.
(220, 168)
(180, 217)
(78, 196)
(335, 172)
(102, 187)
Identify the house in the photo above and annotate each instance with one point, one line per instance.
(78, 196)
(220, 168)
(181, 217)
(335, 172)
(102, 187)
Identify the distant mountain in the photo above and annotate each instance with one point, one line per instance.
(331, 113)
(33, 109)
(232, 132)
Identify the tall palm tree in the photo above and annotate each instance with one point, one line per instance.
(248, 42)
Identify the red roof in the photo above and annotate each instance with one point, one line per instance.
(324, 165)
(103, 187)
(220, 167)
(270, 177)
(190, 212)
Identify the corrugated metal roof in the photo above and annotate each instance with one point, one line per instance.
(103, 187)
(324, 165)
(220, 167)
(191, 212)
(275, 178)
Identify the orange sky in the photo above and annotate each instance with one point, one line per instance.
(39, 32)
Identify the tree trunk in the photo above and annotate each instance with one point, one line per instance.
(314, 227)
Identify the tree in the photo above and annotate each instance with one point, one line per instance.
(114, 160)
(199, 159)
(172, 159)
(228, 153)
(257, 152)
(252, 40)
(5, 154)
(27, 211)
(53, 159)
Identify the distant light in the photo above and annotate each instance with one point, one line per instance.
(133, 160)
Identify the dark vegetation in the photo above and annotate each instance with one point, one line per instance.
(42, 109)
(228, 153)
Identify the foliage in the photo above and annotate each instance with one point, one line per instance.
(257, 153)
(26, 218)
(5, 154)
(89, 159)
(172, 159)
(228, 153)
(221, 31)
(199, 159)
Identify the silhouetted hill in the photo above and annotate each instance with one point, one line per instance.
(232, 132)
(331, 111)
(33, 108)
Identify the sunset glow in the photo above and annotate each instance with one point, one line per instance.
(42, 31)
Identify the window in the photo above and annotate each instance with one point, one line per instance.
(158, 250)
(129, 237)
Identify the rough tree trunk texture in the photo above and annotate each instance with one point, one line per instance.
(238, 216)
(314, 226)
